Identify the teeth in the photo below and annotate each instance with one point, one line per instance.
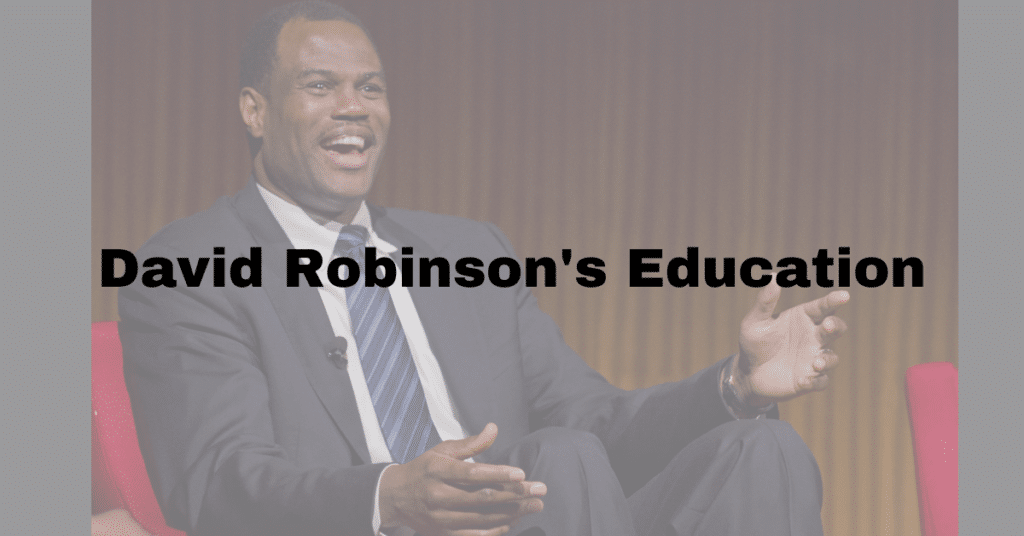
(355, 141)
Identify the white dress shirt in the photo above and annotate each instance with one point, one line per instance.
(305, 232)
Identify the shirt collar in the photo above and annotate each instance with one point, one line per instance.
(307, 232)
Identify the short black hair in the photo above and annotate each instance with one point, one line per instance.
(259, 53)
(260, 50)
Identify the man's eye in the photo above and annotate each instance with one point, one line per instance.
(322, 86)
(372, 89)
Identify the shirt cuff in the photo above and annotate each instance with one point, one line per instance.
(376, 504)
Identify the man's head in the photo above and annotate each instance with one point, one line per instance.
(313, 100)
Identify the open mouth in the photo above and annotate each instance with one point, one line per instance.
(349, 150)
(349, 143)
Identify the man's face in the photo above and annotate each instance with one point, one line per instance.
(324, 119)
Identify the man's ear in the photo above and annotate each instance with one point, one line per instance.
(254, 108)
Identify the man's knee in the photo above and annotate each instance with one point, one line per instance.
(556, 450)
(760, 442)
(753, 443)
(766, 433)
(742, 477)
(583, 491)
(743, 463)
(556, 443)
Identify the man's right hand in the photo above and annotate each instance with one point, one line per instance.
(441, 494)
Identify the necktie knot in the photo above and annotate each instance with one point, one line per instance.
(350, 239)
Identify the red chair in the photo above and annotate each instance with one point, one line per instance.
(932, 401)
(119, 478)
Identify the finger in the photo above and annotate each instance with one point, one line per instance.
(455, 520)
(766, 301)
(458, 472)
(816, 383)
(830, 329)
(496, 531)
(523, 489)
(825, 361)
(487, 517)
(459, 498)
(471, 446)
(822, 307)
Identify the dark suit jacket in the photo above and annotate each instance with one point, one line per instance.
(248, 428)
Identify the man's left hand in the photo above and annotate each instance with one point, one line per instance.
(785, 356)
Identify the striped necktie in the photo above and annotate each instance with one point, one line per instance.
(390, 373)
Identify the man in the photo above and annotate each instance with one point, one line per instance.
(362, 410)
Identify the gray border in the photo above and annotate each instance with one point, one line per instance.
(46, 159)
(990, 263)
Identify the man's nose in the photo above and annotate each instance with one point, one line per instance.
(349, 107)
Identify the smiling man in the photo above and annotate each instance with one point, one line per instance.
(322, 116)
(444, 411)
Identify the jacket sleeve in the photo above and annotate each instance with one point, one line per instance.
(201, 405)
(643, 429)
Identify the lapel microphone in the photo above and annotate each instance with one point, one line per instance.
(336, 352)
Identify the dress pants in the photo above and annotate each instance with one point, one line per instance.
(746, 477)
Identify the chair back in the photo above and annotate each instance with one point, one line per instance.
(932, 402)
(119, 478)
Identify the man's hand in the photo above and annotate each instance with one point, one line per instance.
(785, 356)
(438, 493)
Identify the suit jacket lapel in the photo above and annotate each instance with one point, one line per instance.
(301, 312)
(452, 327)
